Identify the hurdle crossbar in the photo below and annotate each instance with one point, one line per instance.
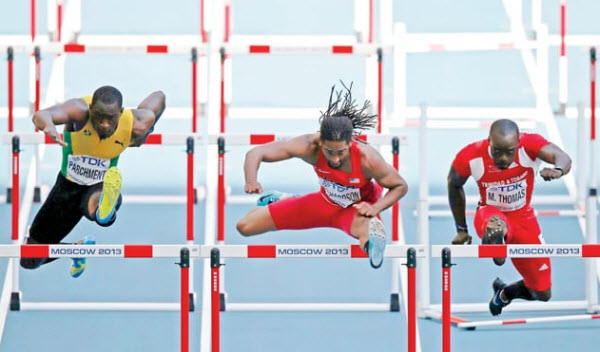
(520, 250)
(181, 138)
(103, 48)
(298, 251)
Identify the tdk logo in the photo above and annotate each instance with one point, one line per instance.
(93, 161)
(512, 187)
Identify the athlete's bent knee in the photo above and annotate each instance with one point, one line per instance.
(31, 263)
(543, 296)
(244, 228)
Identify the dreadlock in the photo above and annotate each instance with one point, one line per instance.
(343, 118)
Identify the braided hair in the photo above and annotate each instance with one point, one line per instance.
(343, 118)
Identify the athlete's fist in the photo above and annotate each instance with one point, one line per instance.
(366, 209)
(253, 187)
(53, 134)
(462, 237)
(549, 174)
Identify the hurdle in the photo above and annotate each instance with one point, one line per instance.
(183, 252)
(588, 251)
(104, 45)
(309, 251)
(364, 28)
(17, 234)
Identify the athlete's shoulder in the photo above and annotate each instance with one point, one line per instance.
(532, 143)
(472, 150)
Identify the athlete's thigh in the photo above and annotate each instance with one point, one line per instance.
(305, 212)
(536, 272)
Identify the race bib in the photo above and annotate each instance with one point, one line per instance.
(86, 170)
(340, 194)
(507, 197)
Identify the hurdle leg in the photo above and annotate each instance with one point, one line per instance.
(215, 298)
(185, 303)
(446, 265)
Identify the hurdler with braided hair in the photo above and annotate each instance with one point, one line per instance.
(352, 175)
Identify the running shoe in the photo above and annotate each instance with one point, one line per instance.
(79, 264)
(376, 242)
(111, 190)
(271, 197)
(496, 303)
(495, 233)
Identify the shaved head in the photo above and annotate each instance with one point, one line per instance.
(504, 142)
(504, 127)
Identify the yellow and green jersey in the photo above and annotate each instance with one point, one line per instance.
(87, 158)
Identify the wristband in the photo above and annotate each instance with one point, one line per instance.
(562, 172)
(461, 228)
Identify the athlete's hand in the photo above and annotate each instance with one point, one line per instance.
(462, 237)
(253, 187)
(549, 174)
(53, 134)
(366, 209)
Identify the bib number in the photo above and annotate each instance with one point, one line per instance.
(86, 170)
(340, 194)
(508, 197)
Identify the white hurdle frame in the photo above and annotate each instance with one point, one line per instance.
(587, 251)
(411, 253)
(18, 233)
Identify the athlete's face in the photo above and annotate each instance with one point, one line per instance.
(336, 153)
(105, 118)
(503, 149)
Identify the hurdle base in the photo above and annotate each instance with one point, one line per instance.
(8, 195)
(520, 306)
(308, 307)
(562, 109)
(102, 306)
(394, 302)
(191, 299)
(15, 301)
(37, 194)
(221, 302)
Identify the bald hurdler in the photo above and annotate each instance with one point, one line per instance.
(504, 167)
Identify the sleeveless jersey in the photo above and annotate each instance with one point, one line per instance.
(343, 188)
(509, 189)
(87, 158)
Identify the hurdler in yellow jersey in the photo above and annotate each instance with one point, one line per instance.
(97, 130)
(89, 159)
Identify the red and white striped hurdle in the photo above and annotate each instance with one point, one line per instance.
(510, 251)
(310, 251)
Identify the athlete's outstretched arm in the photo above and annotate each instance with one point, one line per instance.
(46, 119)
(552, 154)
(299, 147)
(375, 167)
(146, 116)
(457, 200)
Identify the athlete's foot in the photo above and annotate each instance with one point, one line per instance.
(111, 189)
(376, 243)
(497, 303)
(79, 264)
(271, 197)
(495, 233)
